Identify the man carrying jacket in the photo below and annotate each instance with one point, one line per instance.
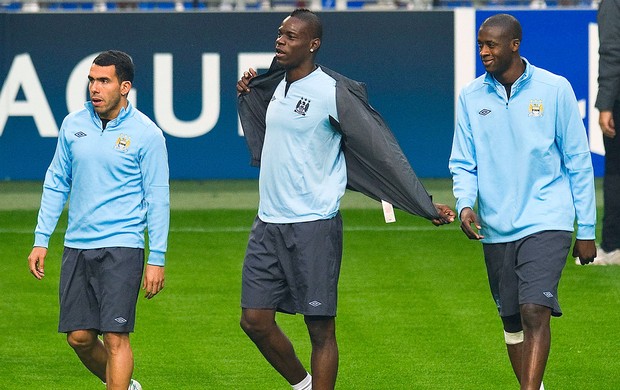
(298, 126)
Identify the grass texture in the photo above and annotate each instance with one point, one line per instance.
(415, 310)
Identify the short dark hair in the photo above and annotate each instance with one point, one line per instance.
(508, 23)
(122, 62)
(311, 19)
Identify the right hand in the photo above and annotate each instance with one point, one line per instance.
(469, 217)
(606, 121)
(36, 261)
(242, 84)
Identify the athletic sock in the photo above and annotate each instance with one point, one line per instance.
(306, 384)
(542, 386)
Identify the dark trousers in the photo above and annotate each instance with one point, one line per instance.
(611, 188)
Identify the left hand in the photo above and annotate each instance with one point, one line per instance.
(446, 215)
(153, 280)
(585, 250)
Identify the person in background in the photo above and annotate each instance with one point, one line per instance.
(608, 104)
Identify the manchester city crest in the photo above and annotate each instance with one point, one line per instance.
(302, 106)
(122, 143)
(536, 107)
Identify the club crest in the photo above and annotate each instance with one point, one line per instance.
(536, 107)
(302, 106)
(122, 143)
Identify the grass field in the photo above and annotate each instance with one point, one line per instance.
(414, 310)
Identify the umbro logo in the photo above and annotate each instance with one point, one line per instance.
(548, 294)
(484, 112)
(120, 320)
(315, 303)
(80, 134)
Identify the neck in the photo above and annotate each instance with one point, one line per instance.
(300, 72)
(513, 73)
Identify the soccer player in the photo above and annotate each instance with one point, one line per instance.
(113, 162)
(608, 103)
(520, 149)
(293, 257)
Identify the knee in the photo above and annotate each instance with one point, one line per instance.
(116, 342)
(254, 324)
(322, 330)
(534, 316)
(81, 339)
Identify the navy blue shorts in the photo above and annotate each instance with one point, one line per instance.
(99, 289)
(527, 271)
(293, 268)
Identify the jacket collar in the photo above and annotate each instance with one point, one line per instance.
(518, 84)
(125, 112)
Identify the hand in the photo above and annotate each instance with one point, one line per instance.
(606, 121)
(153, 280)
(585, 250)
(242, 84)
(469, 217)
(36, 262)
(446, 215)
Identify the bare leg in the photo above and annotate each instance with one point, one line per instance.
(261, 327)
(515, 353)
(512, 324)
(90, 350)
(536, 344)
(120, 360)
(324, 351)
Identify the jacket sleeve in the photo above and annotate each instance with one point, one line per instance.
(56, 188)
(376, 165)
(573, 143)
(609, 52)
(155, 181)
(462, 164)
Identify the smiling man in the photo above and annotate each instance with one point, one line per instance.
(520, 150)
(112, 160)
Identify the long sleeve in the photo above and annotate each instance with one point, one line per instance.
(56, 188)
(155, 176)
(573, 144)
(462, 164)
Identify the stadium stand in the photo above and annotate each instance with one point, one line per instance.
(243, 5)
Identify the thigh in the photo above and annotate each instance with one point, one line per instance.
(500, 260)
(79, 306)
(263, 285)
(313, 269)
(541, 257)
(119, 273)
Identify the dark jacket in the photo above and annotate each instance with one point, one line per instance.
(609, 51)
(376, 165)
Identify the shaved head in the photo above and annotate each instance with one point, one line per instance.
(507, 23)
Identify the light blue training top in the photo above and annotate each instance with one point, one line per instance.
(303, 173)
(118, 181)
(526, 159)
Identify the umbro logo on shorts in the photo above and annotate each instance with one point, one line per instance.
(548, 294)
(120, 320)
(315, 303)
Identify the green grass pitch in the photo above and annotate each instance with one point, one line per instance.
(414, 309)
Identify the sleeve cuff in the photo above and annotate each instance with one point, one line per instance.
(157, 258)
(586, 232)
(41, 240)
